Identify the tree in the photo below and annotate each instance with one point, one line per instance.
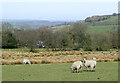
(8, 37)
(101, 41)
(114, 14)
(46, 36)
(7, 27)
(114, 35)
(8, 40)
(77, 34)
(30, 39)
(62, 39)
(87, 43)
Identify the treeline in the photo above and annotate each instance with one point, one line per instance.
(74, 37)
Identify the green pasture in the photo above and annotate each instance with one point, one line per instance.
(92, 28)
(102, 28)
(112, 18)
(105, 71)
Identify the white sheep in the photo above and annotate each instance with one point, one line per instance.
(26, 61)
(76, 66)
(90, 63)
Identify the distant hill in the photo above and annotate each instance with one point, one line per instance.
(97, 23)
(32, 23)
(103, 20)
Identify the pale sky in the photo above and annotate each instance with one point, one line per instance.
(56, 10)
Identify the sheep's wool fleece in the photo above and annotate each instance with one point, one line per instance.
(26, 60)
(89, 62)
(77, 63)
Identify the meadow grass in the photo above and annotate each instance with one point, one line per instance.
(91, 28)
(105, 71)
(57, 28)
(102, 28)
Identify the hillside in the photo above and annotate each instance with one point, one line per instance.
(97, 23)
(32, 23)
(102, 20)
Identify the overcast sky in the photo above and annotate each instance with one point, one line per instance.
(56, 10)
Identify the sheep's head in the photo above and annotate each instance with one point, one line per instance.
(84, 60)
(94, 58)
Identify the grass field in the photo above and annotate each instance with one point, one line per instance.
(102, 28)
(112, 18)
(91, 28)
(105, 71)
(57, 28)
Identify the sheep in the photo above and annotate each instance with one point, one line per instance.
(90, 63)
(76, 66)
(26, 61)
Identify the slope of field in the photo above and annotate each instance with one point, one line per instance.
(92, 28)
(105, 71)
(55, 28)
(103, 25)
(102, 28)
(112, 20)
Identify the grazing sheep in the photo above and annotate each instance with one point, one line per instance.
(90, 63)
(26, 61)
(76, 66)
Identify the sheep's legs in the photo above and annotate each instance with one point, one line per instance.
(94, 69)
(91, 69)
(77, 70)
(72, 70)
(81, 69)
(87, 69)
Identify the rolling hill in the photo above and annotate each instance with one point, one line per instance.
(32, 23)
(97, 23)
